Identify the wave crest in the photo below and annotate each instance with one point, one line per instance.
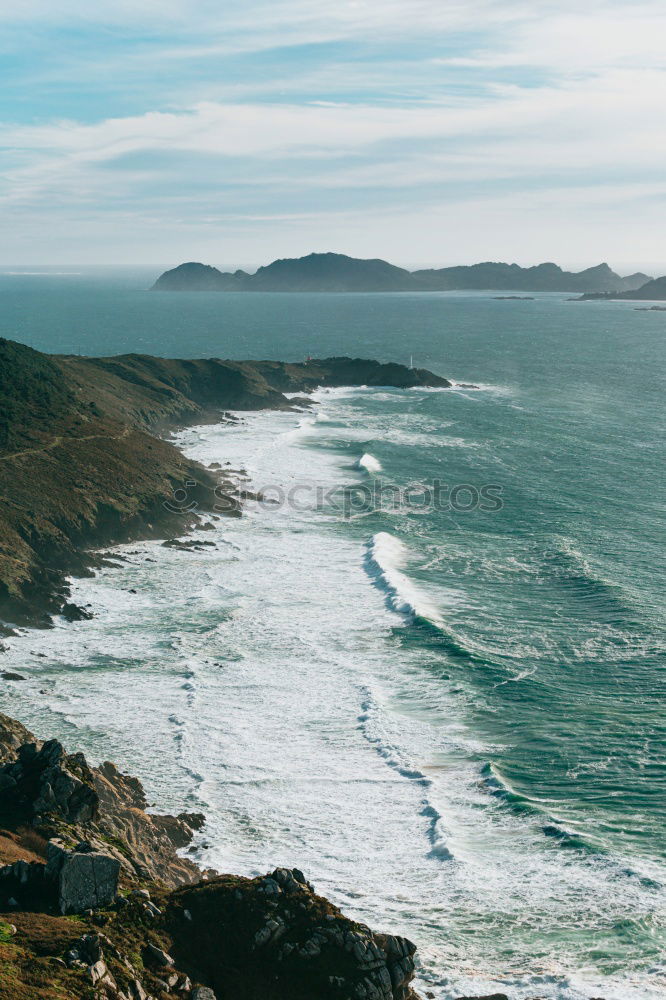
(385, 557)
(369, 463)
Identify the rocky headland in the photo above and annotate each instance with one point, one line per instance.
(84, 460)
(95, 902)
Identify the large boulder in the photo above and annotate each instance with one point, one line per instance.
(277, 939)
(86, 879)
(74, 881)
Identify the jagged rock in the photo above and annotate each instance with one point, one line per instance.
(137, 990)
(203, 993)
(40, 781)
(9, 675)
(12, 736)
(151, 840)
(277, 931)
(86, 879)
(88, 948)
(45, 780)
(73, 613)
(98, 971)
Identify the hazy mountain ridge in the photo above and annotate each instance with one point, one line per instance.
(332, 272)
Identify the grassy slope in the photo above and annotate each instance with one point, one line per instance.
(80, 462)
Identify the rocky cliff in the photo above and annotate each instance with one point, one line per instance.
(76, 840)
(83, 463)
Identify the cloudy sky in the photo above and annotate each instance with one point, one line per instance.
(423, 131)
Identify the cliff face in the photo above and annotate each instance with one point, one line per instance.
(332, 272)
(136, 936)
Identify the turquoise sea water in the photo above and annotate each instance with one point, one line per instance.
(486, 685)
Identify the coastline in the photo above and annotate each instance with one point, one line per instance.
(83, 626)
(84, 462)
(118, 832)
(285, 421)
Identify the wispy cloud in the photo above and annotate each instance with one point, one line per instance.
(302, 114)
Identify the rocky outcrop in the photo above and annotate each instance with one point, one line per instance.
(268, 938)
(42, 785)
(86, 879)
(282, 940)
(654, 290)
(151, 841)
(44, 781)
(12, 735)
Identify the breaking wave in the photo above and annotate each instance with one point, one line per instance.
(385, 557)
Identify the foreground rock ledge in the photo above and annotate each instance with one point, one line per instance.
(76, 840)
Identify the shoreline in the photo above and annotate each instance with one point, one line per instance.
(84, 461)
(205, 425)
(104, 809)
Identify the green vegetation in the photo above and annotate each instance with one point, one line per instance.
(33, 394)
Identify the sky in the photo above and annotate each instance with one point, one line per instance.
(427, 132)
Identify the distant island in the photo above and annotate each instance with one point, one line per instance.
(333, 272)
(651, 291)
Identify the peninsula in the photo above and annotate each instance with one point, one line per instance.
(83, 463)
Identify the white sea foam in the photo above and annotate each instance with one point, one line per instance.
(386, 557)
(369, 463)
(313, 734)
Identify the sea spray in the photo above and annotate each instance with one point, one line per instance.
(369, 463)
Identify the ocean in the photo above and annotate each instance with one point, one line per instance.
(431, 672)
